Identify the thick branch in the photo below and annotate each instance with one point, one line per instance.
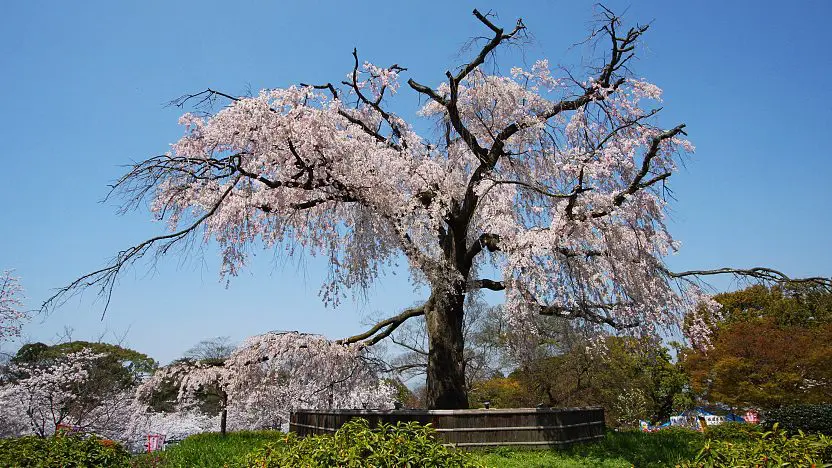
(376, 105)
(450, 103)
(485, 283)
(637, 184)
(383, 329)
(487, 241)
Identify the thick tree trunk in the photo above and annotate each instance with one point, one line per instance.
(446, 367)
(224, 414)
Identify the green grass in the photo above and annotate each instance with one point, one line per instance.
(208, 450)
(617, 449)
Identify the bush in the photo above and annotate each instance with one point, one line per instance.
(62, 450)
(766, 449)
(357, 445)
(733, 432)
(806, 418)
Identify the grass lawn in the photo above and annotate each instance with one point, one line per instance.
(209, 450)
(617, 449)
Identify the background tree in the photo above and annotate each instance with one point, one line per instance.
(85, 384)
(116, 368)
(218, 349)
(631, 378)
(771, 347)
(269, 375)
(556, 183)
(77, 387)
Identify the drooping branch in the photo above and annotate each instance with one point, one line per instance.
(384, 328)
(759, 273)
(106, 277)
(534, 188)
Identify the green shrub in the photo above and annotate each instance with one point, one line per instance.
(62, 451)
(733, 432)
(807, 418)
(766, 449)
(358, 445)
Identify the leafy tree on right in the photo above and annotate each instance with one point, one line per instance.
(770, 347)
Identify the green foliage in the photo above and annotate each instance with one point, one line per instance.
(657, 449)
(118, 369)
(806, 418)
(771, 347)
(62, 450)
(357, 445)
(209, 450)
(623, 449)
(652, 386)
(502, 392)
(130, 360)
(773, 448)
(403, 394)
(733, 432)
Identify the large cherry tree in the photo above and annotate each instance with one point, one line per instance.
(546, 184)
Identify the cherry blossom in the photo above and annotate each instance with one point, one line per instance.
(48, 395)
(11, 303)
(551, 182)
(271, 374)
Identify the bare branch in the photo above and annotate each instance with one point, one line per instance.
(759, 273)
(106, 277)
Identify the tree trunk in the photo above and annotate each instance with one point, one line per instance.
(224, 414)
(446, 367)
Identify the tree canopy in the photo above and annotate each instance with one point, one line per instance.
(554, 179)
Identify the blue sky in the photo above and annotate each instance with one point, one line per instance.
(84, 87)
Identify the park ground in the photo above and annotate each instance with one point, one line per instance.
(617, 449)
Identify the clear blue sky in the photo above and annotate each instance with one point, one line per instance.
(83, 88)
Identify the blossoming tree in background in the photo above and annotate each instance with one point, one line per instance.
(270, 374)
(47, 396)
(553, 181)
(11, 303)
(82, 385)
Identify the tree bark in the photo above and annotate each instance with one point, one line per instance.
(446, 367)
(224, 414)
